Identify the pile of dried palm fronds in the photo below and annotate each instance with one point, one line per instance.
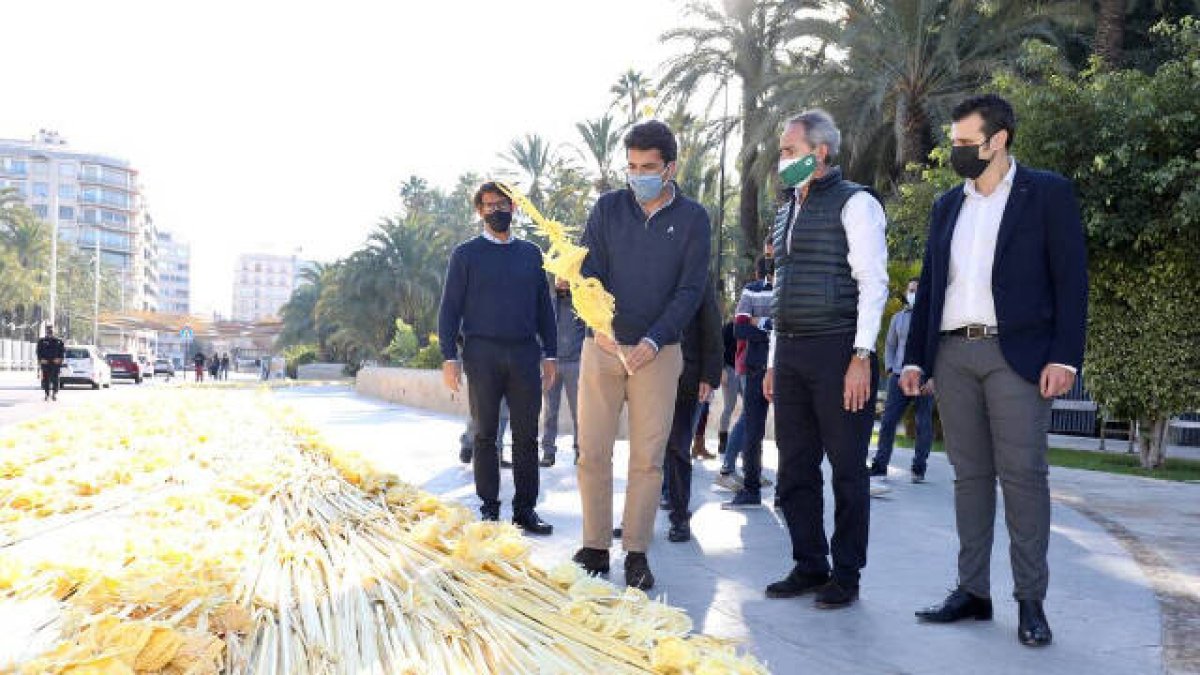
(223, 535)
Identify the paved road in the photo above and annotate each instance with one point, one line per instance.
(1102, 604)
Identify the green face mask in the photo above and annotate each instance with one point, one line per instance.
(795, 172)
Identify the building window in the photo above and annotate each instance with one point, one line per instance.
(14, 165)
(68, 191)
(41, 189)
(66, 213)
(40, 167)
(67, 169)
(41, 210)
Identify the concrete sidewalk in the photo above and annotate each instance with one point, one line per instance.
(1104, 602)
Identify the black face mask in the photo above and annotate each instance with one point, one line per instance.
(498, 220)
(966, 161)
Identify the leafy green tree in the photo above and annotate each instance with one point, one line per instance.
(906, 64)
(602, 144)
(633, 89)
(744, 43)
(533, 158)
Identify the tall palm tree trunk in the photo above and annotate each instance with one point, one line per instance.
(914, 134)
(1110, 31)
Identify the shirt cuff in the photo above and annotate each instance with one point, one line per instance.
(911, 367)
(450, 361)
(1073, 369)
(652, 343)
(549, 358)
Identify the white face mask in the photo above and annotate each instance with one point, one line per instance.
(911, 297)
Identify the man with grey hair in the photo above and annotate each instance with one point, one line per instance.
(831, 284)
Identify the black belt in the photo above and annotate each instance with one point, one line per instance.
(975, 331)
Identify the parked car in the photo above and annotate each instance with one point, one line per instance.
(124, 367)
(146, 366)
(83, 365)
(164, 367)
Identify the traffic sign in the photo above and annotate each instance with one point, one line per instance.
(186, 333)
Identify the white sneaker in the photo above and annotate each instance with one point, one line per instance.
(878, 489)
(729, 481)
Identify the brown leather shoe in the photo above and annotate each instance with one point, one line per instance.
(699, 450)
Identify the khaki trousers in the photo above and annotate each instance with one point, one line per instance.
(604, 388)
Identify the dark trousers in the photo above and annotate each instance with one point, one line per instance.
(677, 465)
(754, 416)
(510, 371)
(897, 403)
(811, 422)
(50, 382)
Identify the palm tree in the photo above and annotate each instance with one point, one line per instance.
(532, 156)
(746, 43)
(25, 249)
(1110, 31)
(602, 140)
(414, 193)
(633, 88)
(907, 63)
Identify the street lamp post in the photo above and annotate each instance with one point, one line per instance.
(53, 256)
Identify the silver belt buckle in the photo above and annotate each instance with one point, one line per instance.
(976, 332)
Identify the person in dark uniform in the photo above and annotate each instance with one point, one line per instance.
(50, 354)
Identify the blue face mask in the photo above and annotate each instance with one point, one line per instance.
(646, 188)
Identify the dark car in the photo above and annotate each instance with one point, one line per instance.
(124, 367)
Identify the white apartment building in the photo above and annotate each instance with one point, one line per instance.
(262, 283)
(93, 199)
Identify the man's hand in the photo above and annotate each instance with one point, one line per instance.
(452, 375)
(706, 392)
(910, 382)
(606, 343)
(641, 355)
(857, 389)
(549, 373)
(769, 385)
(1056, 381)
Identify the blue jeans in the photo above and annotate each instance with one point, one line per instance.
(747, 435)
(893, 410)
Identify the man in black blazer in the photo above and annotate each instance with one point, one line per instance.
(999, 325)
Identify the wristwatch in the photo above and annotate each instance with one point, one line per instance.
(864, 354)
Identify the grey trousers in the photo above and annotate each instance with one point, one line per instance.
(995, 423)
(568, 382)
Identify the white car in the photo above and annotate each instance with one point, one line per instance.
(84, 365)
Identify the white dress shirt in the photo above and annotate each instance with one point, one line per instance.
(865, 222)
(972, 252)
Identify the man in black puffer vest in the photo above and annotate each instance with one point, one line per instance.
(831, 284)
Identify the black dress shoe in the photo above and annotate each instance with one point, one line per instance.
(637, 571)
(505, 464)
(617, 532)
(464, 454)
(958, 606)
(531, 523)
(680, 533)
(594, 561)
(835, 596)
(489, 514)
(796, 583)
(1033, 630)
(547, 460)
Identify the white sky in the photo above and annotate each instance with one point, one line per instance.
(269, 125)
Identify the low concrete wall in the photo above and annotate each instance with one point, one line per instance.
(321, 371)
(423, 389)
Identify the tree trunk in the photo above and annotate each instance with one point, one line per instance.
(914, 134)
(748, 204)
(1110, 32)
(1152, 436)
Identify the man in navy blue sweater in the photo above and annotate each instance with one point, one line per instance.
(497, 297)
(649, 245)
